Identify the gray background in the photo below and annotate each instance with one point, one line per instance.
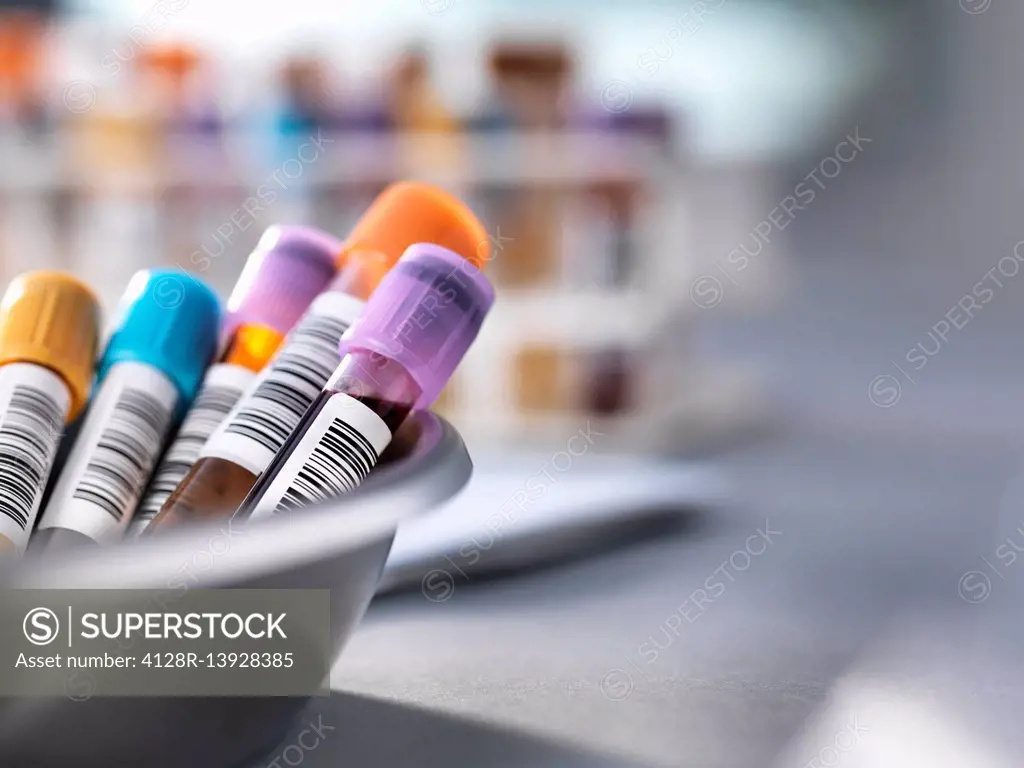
(881, 514)
(882, 511)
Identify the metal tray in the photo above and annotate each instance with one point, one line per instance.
(340, 546)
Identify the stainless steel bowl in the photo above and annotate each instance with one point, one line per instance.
(337, 546)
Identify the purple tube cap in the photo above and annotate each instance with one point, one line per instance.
(282, 276)
(424, 315)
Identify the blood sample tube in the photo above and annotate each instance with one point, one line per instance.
(246, 442)
(163, 340)
(286, 271)
(49, 324)
(397, 357)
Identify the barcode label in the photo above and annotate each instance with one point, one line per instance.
(221, 390)
(271, 408)
(115, 452)
(34, 404)
(335, 455)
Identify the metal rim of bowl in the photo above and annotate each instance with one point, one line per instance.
(436, 469)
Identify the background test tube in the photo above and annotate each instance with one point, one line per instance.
(286, 271)
(398, 356)
(49, 328)
(258, 427)
(164, 337)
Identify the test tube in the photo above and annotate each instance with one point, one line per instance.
(285, 272)
(163, 339)
(49, 327)
(245, 443)
(396, 358)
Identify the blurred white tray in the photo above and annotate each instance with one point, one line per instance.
(596, 502)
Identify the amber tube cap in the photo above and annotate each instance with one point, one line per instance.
(51, 319)
(410, 212)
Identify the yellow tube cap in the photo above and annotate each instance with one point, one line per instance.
(51, 319)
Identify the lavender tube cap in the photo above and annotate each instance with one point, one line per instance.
(424, 315)
(282, 276)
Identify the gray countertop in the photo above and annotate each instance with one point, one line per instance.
(709, 646)
(880, 513)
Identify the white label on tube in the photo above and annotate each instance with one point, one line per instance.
(34, 405)
(276, 400)
(114, 453)
(221, 390)
(334, 456)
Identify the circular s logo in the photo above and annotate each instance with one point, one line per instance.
(706, 292)
(438, 585)
(884, 391)
(79, 96)
(437, 7)
(975, 587)
(168, 292)
(80, 686)
(975, 7)
(616, 685)
(617, 97)
(41, 626)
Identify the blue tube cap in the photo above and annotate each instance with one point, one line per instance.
(170, 320)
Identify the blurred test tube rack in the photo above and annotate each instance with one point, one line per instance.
(594, 322)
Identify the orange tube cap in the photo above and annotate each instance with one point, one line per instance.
(410, 212)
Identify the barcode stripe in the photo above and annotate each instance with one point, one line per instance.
(29, 431)
(210, 408)
(341, 460)
(291, 382)
(127, 447)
